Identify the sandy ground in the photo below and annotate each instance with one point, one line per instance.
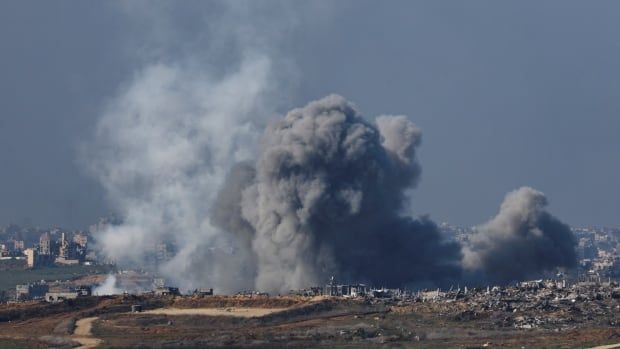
(83, 335)
(236, 312)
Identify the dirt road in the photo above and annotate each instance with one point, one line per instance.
(233, 311)
(608, 346)
(83, 334)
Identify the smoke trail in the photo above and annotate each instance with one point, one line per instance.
(522, 241)
(326, 199)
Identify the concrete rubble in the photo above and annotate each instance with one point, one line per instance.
(549, 304)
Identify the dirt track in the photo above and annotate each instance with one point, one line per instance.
(83, 334)
(609, 346)
(232, 311)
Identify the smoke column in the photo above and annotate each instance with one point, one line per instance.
(326, 199)
(523, 240)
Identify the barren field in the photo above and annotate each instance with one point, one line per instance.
(277, 322)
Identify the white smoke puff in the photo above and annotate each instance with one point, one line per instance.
(163, 149)
(108, 287)
(327, 198)
(523, 240)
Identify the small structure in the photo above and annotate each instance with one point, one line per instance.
(136, 308)
(31, 291)
(167, 291)
(84, 291)
(203, 292)
(64, 261)
(358, 290)
(531, 285)
(353, 290)
(55, 297)
(331, 289)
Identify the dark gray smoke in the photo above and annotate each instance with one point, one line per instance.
(327, 198)
(522, 241)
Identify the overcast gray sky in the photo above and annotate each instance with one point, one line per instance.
(506, 93)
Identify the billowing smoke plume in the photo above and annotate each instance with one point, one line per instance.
(324, 194)
(523, 240)
(326, 199)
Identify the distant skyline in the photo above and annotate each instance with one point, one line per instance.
(506, 94)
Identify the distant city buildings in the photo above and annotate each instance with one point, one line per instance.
(167, 291)
(42, 248)
(598, 250)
